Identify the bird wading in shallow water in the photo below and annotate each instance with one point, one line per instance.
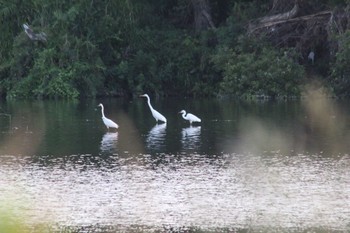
(108, 122)
(189, 117)
(155, 113)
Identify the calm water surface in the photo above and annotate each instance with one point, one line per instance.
(260, 166)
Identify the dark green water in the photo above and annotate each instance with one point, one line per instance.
(247, 166)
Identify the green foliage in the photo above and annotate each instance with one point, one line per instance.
(72, 62)
(340, 73)
(168, 62)
(258, 71)
(57, 71)
(124, 47)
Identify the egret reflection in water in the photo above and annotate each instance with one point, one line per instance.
(156, 137)
(109, 142)
(5, 122)
(191, 137)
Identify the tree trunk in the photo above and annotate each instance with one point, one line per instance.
(202, 16)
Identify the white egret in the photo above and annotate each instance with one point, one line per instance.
(190, 117)
(155, 113)
(34, 36)
(108, 122)
(311, 57)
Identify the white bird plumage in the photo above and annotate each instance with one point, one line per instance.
(108, 122)
(311, 57)
(34, 36)
(189, 117)
(155, 113)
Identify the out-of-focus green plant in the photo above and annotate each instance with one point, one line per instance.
(9, 226)
(10, 223)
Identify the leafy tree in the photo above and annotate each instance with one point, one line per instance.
(340, 73)
(168, 47)
(258, 71)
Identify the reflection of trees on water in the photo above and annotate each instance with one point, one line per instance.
(5, 122)
(109, 142)
(156, 137)
(22, 130)
(191, 138)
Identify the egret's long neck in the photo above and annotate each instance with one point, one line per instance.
(102, 111)
(149, 103)
(184, 115)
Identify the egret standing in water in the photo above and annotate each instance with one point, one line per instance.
(190, 117)
(155, 113)
(108, 122)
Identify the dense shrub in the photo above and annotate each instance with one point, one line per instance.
(169, 62)
(340, 73)
(253, 71)
(127, 47)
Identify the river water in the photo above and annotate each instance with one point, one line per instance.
(248, 166)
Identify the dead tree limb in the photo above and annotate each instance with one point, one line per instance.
(283, 16)
(303, 28)
(271, 23)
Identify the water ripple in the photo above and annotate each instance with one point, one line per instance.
(174, 191)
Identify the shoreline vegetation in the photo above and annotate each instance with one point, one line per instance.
(270, 49)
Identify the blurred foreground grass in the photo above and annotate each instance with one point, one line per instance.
(10, 223)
